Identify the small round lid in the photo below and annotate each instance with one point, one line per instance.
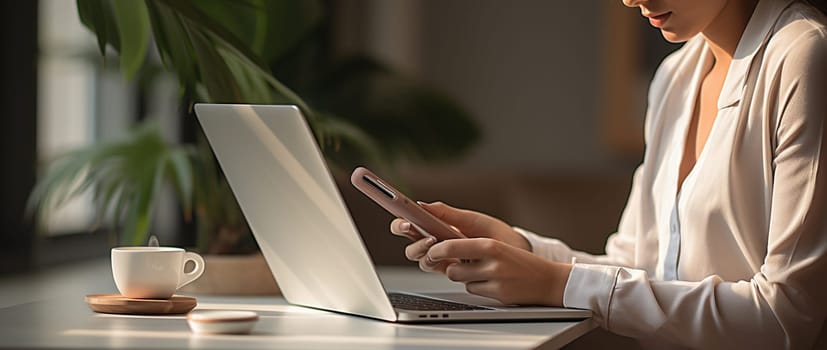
(211, 316)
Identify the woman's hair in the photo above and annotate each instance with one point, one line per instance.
(819, 4)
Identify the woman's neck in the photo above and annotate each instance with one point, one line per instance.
(725, 31)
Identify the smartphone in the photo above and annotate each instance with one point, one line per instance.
(401, 206)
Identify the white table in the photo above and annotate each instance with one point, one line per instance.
(46, 310)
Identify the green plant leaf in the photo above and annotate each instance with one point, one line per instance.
(119, 215)
(199, 24)
(133, 27)
(126, 176)
(172, 42)
(348, 141)
(220, 83)
(198, 19)
(237, 17)
(108, 194)
(61, 178)
(182, 173)
(142, 169)
(147, 192)
(252, 83)
(282, 25)
(408, 119)
(98, 16)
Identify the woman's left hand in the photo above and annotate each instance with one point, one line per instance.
(494, 269)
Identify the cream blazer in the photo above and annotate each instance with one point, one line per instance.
(738, 259)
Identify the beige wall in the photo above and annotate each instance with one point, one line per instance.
(534, 73)
(529, 72)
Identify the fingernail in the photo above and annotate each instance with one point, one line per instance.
(421, 203)
(429, 260)
(430, 241)
(405, 226)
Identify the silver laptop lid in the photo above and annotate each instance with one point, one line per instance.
(294, 208)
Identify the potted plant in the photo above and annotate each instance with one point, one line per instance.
(232, 52)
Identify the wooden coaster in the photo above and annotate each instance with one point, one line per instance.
(119, 304)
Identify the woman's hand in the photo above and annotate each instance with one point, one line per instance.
(493, 269)
(472, 224)
(498, 262)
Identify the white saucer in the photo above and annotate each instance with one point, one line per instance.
(222, 321)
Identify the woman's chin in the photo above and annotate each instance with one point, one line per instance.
(674, 37)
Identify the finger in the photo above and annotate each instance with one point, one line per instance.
(428, 265)
(403, 228)
(418, 249)
(466, 272)
(464, 220)
(470, 249)
(489, 289)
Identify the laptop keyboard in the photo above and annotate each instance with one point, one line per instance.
(414, 302)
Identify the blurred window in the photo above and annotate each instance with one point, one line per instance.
(73, 90)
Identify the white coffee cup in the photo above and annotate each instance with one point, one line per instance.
(153, 272)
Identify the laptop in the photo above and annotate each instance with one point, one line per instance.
(304, 229)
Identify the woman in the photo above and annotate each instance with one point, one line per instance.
(724, 236)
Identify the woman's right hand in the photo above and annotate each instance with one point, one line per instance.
(470, 223)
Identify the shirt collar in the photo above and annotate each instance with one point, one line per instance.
(755, 36)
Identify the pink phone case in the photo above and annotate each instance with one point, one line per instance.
(401, 206)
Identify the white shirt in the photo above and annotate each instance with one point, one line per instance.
(748, 231)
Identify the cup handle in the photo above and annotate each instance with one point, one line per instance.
(196, 271)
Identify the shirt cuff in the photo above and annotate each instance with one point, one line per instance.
(532, 238)
(591, 287)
